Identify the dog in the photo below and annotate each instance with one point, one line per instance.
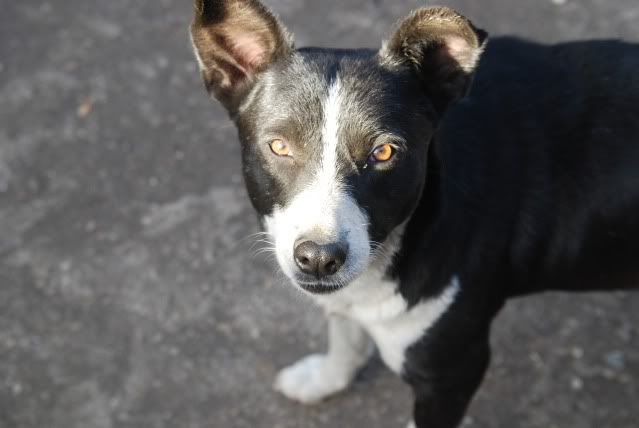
(411, 190)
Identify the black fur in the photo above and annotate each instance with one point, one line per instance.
(536, 187)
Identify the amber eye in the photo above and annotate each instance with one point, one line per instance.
(280, 148)
(382, 153)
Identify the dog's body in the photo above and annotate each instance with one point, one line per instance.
(411, 213)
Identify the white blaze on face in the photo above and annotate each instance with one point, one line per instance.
(323, 207)
(327, 176)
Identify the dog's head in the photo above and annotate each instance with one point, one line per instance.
(334, 142)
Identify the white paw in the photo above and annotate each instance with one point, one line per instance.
(411, 425)
(310, 380)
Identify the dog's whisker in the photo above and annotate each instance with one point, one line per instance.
(263, 251)
(252, 236)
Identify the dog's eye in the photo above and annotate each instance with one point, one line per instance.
(280, 147)
(382, 153)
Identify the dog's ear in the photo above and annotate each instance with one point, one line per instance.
(442, 47)
(234, 41)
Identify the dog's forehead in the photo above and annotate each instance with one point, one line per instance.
(299, 96)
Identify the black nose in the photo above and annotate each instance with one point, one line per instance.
(319, 260)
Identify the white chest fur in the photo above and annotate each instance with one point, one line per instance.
(375, 304)
(394, 335)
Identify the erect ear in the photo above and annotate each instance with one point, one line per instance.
(234, 41)
(442, 47)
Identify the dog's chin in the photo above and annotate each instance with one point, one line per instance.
(324, 286)
(319, 287)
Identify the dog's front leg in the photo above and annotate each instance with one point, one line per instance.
(318, 376)
(444, 381)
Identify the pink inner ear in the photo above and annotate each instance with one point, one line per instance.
(249, 50)
(459, 49)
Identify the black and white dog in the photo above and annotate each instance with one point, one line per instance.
(411, 206)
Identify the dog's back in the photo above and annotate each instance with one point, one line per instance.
(542, 163)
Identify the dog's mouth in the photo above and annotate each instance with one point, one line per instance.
(319, 287)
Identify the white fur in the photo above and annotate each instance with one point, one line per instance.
(197, 53)
(323, 206)
(318, 376)
(394, 335)
(310, 380)
(375, 303)
(333, 214)
(330, 137)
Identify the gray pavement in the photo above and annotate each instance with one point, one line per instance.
(129, 295)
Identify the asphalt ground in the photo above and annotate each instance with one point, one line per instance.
(129, 292)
